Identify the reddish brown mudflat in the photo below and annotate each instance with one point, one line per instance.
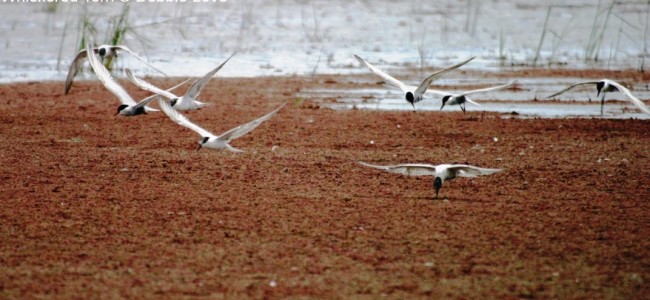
(101, 206)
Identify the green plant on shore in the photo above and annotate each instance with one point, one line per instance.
(597, 35)
(541, 38)
(117, 29)
(645, 38)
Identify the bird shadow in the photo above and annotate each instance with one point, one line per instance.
(449, 199)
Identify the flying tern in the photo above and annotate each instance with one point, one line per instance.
(104, 52)
(209, 140)
(412, 94)
(440, 172)
(128, 107)
(461, 98)
(606, 85)
(187, 101)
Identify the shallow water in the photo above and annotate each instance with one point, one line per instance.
(382, 99)
(286, 37)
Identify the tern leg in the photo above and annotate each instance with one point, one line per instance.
(602, 104)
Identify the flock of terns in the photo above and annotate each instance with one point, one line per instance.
(171, 105)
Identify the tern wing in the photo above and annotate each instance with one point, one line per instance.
(472, 101)
(470, 171)
(200, 83)
(427, 81)
(570, 87)
(438, 92)
(634, 99)
(74, 69)
(248, 127)
(180, 119)
(148, 86)
(494, 88)
(144, 102)
(389, 79)
(169, 89)
(126, 49)
(105, 77)
(406, 169)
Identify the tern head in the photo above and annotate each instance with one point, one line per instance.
(202, 141)
(173, 102)
(102, 53)
(121, 108)
(599, 86)
(410, 98)
(437, 184)
(444, 101)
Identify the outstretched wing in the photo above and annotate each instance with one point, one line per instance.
(406, 169)
(494, 88)
(105, 77)
(144, 102)
(180, 119)
(74, 69)
(148, 86)
(199, 84)
(389, 79)
(248, 127)
(472, 101)
(470, 171)
(427, 81)
(570, 87)
(153, 97)
(126, 49)
(634, 99)
(436, 92)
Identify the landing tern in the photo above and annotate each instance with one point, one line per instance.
(128, 107)
(440, 172)
(105, 52)
(187, 101)
(461, 98)
(412, 94)
(209, 140)
(606, 85)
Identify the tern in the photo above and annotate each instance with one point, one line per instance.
(105, 52)
(209, 140)
(412, 94)
(440, 172)
(187, 101)
(128, 107)
(606, 85)
(461, 98)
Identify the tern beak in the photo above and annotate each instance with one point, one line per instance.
(199, 148)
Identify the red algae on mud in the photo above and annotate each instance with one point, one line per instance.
(96, 205)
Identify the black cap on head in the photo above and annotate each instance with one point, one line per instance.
(173, 102)
(121, 108)
(203, 141)
(409, 97)
(444, 101)
(599, 87)
(102, 51)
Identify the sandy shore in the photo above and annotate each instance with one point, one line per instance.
(103, 206)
